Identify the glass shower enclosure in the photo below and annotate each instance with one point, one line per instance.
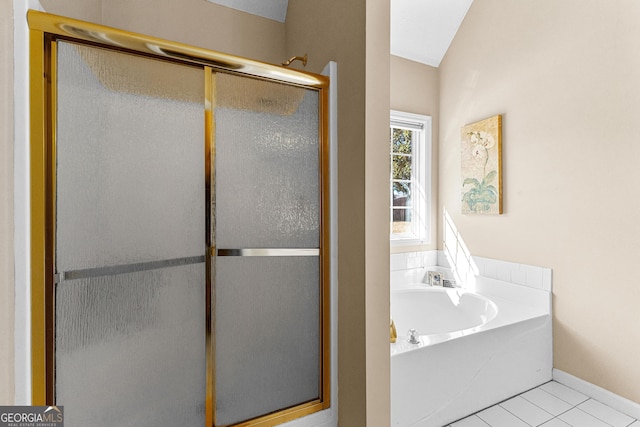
(179, 232)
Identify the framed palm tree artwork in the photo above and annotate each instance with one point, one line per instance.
(481, 144)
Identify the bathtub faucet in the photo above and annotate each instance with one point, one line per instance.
(413, 337)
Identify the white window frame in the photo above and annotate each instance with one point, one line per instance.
(421, 178)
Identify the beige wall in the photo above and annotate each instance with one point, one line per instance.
(565, 77)
(415, 88)
(6, 205)
(335, 31)
(376, 207)
(327, 32)
(195, 22)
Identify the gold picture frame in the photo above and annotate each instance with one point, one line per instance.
(481, 159)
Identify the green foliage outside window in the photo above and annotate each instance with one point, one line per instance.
(401, 147)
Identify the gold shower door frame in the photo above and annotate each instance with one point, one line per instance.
(45, 31)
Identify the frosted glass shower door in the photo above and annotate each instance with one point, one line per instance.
(129, 240)
(267, 284)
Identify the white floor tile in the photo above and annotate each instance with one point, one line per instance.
(565, 393)
(605, 413)
(526, 411)
(537, 407)
(578, 418)
(497, 416)
(547, 401)
(555, 423)
(471, 421)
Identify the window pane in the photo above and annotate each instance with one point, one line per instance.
(401, 194)
(401, 167)
(401, 221)
(401, 141)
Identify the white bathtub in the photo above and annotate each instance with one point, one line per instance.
(475, 349)
(434, 312)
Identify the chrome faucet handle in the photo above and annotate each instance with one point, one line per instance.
(413, 337)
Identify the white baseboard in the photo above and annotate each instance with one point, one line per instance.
(619, 403)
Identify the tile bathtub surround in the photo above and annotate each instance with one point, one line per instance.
(520, 274)
(550, 405)
(467, 266)
(410, 260)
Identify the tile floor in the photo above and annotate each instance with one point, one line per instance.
(550, 405)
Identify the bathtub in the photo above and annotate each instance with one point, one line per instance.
(475, 349)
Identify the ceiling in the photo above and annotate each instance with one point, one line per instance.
(421, 30)
(271, 9)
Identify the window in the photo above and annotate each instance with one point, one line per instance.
(410, 153)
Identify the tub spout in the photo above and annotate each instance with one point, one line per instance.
(413, 337)
(393, 334)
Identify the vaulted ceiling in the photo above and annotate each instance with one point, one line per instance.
(422, 30)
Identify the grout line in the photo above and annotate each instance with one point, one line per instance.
(598, 418)
(469, 416)
(482, 421)
(570, 388)
(509, 398)
(591, 415)
(572, 406)
(552, 395)
(539, 407)
(518, 416)
(612, 400)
